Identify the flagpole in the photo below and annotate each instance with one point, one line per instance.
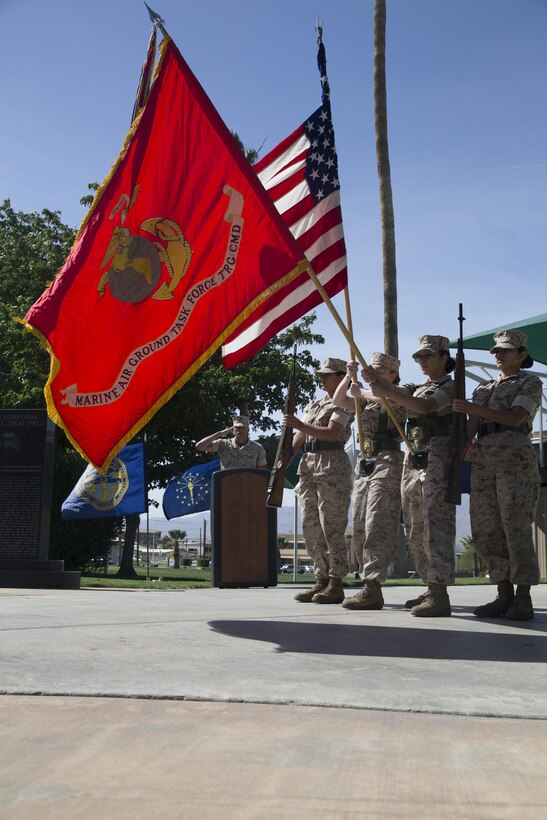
(322, 65)
(348, 337)
(357, 402)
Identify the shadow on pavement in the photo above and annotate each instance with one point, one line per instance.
(390, 642)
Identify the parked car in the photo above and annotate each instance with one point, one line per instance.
(301, 569)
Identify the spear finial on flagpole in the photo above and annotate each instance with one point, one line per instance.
(157, 21)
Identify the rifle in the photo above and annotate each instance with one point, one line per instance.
(284, 453)
(458, 436)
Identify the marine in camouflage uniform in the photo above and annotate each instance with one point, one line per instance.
(505, 476)
(324, 487)
(238, 451)
(376, 496)
(430, 522)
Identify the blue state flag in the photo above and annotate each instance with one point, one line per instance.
(120, 491)
(191, 492)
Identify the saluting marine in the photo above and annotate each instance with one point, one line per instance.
(430, 522)
(238, 451)
(325, 485)
(376, 496)
(505, 476)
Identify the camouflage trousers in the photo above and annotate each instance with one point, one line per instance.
(430, 522)
(376, 512)
(324, 503)
(503, 503)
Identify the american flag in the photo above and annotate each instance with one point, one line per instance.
(301, 176)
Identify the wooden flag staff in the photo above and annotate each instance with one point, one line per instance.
(349, 338)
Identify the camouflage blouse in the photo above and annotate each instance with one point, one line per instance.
(327, 462)
(371, 414)
(232, 454)
(442, 390)
(520, 390)
(320, 411)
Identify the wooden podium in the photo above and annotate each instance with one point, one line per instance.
(243, 529)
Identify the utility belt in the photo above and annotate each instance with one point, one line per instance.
(382, 440)
(494, 427)
(315, 445)
(422, 429)
(373, 446)
(418, 458)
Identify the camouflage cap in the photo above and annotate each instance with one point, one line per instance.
(383, 361)
(331, 366)
(431, 344)
(509, 340)
(241, 421)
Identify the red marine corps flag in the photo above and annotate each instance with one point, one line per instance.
(181, 244)
(301, 176)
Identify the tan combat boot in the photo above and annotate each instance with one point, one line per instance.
(436, 605)
(307, 594)
(521, 609)
(419, 600)
(370, 597)
(332, 594)
(500, 605)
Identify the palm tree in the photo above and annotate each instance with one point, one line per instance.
(391, 344)
(176, 537)
(470, 558)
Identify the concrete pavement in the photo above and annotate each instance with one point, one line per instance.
(243, 702)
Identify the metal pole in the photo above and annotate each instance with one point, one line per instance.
(295, 542)
(541, 461)
(147, 545)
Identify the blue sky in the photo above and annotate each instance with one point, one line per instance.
(467, 132)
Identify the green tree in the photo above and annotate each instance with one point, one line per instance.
(469, 562)
(250, 154)
(33, 248)
(87, 200)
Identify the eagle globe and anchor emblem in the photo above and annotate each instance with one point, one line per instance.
(103, 492)
(135, 262)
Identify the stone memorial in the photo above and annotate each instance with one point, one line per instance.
(26, 468)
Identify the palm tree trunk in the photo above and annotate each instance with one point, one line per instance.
(391, 344)
(127, 569)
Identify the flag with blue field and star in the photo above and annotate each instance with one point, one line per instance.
(191, 492)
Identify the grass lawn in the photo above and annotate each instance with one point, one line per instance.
(160, 578)
(194, 578)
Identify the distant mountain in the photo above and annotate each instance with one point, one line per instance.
(285, 522)
(193, 523)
